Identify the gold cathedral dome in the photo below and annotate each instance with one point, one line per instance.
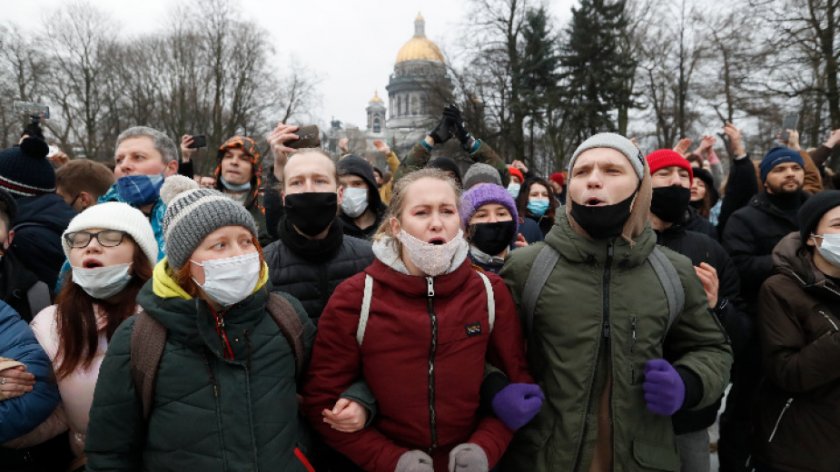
(419, 48)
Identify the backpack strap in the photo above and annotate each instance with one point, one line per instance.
(491, 299)
(671, 283)
(148, 339)
(364, 314)
(538, 275)
(284, 314)
(38, 297)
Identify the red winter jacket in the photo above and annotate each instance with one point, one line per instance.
(423, 356)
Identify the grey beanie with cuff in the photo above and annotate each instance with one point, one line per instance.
(612, 141)
(192, 213)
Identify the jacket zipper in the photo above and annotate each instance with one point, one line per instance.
(605, 338)
(828, 318)
(779, 419)
(632, 349)
(430, 295)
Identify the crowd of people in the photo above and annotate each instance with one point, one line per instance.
(435, 316)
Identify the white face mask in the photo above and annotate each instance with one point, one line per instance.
(230, 280)
(102, 282)
(830, 248)
(513, 189)
(354, 202)
(431, 259)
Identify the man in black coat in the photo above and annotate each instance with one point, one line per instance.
(17, 285)
(749, 237)
(42, 215)
(671, 177)
(312, 255)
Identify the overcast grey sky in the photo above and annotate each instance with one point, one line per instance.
(350, 45)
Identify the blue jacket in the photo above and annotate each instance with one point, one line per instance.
(20, 415)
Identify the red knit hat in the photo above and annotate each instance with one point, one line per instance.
(662, 158)
(514, 172)
(558, 178)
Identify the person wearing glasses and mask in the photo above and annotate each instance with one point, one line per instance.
(111, 248)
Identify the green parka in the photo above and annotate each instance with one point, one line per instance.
(601, 315)
(209, 413)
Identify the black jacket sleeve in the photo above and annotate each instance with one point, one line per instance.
(740, 187)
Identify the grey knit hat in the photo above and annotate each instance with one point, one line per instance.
(192, 213)
(480, 173)
(612, 141)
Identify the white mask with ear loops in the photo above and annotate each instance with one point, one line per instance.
(830, 247)
(230, 280)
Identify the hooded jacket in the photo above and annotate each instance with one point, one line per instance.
(253, 201)
(355, 165)
(600, 316)
(797, 416)
(209, 413)
(423, 358)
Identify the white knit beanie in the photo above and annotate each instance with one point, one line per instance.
(118, 216)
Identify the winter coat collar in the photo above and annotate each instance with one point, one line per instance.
(791, 260)
(762, 202)
(577, 248)
(190, 322)
(313, 250)
(446, 285)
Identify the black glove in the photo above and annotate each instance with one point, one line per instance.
(459, 128)
(443, 130)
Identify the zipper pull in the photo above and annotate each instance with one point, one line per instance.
(430, 287)
(633, 333)
(606, 329)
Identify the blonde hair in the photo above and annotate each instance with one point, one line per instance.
(282, 184)
(397, 205)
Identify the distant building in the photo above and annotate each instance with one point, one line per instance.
(417, 90)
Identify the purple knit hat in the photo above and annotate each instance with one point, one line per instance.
(482, 194)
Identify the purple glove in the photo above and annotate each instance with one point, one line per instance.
(517, 404)
(664, 388)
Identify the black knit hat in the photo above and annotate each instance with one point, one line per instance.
(25, 170)
(707, 179)
(813, 210)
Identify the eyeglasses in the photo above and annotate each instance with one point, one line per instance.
(107, 238)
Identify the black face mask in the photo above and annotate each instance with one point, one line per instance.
(602, 222)
(492, 238)
(670, 203)
(311, 212)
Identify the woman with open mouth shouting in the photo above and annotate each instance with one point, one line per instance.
(418, 325)
(111, 248)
